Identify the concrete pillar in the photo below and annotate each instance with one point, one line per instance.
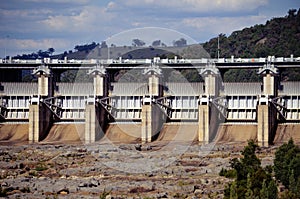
(269, 85)
(146, 123)
(211, 85)
(95, 115)
(44, 84)
(266, 112)
(154, 74)
(266, 123)
(44, 81)
(99, 85)
(152, 116)
(263, 125)
(152, 121)
(39, 122)
(203, 124)
(100, 80)
(212, 80)
(154, 85)
(269, 73)
(40, 117)
(93, 130)
(208, 115)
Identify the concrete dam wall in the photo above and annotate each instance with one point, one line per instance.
(151, 107)
(131, 133)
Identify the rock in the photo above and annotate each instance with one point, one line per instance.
(25, 180)
(4, 184)
(81, 150)
(126, 147)
(21, 166)
(138, 147)
(94, 183)
(136, 156)
(162, 195)
(63, 192)
(109, 197)
(198, 191)
(83, 184)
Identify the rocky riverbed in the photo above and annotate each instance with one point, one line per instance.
(106, 170)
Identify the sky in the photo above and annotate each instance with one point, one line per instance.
(27, 26)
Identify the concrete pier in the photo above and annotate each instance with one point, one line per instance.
(95, 115)
(152, 116)
(40, 117)
(39, 122)
(266, 112)
(207, 113)
(147, 130)
(152, 122)
(93, 129)
(203, 124)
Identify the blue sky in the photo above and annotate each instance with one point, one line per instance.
(30, 25)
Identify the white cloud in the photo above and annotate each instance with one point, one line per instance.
(200, 5)
(32, 13)
(111, 5)
(83, 21)
(89, 19)
(59, 1)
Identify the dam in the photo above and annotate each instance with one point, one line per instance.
(150, 109)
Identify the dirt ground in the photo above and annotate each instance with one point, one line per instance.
(106, 170)
(118, 166)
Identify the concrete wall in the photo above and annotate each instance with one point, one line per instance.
(266, 124)
(95, 123)
(152, 122)
(203, 124)
(208, 123)
(39, 122)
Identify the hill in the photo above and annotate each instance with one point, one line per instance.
(279, 37)
(132, 52)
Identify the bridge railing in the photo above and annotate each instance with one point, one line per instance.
(154, 60)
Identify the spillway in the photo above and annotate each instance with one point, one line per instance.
(65, 133)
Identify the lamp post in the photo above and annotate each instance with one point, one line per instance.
(5, 46)
(108, 56)
(218, 47)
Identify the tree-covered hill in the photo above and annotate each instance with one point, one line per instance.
(279, 37)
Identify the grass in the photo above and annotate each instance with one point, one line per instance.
(41, 167)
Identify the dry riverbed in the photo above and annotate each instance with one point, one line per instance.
(105, 170)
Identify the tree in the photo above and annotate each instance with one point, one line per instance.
(156, 43)
(180, 43)
(292, 182)
(287, 158)
(138, 43)
(86, 47)
(51, 51)
(251, 179)
(292, 13)
(272, 190)
(264, 191)
(103, 44)
(249, 193)
(233, 191)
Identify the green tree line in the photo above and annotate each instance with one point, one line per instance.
(251, 180)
